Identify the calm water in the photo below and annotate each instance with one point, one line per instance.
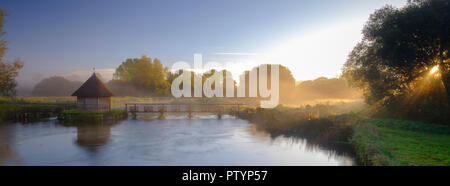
(175, 141)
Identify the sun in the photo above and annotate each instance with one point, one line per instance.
(434, 70)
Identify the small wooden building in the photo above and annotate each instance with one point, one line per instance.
(93, 95)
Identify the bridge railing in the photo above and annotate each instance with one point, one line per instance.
(180, 107)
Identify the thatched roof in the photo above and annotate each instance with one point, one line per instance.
(93, 87)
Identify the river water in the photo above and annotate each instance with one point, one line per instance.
(203, 140)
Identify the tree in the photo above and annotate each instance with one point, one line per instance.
(286, 83)
(144, 75)
(55, 86)
(8, 71)
(398, 49)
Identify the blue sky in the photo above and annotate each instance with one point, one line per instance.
(59, 37)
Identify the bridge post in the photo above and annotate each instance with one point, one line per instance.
(219, 113)
(238, 109)
(190, 111)
(162, 111)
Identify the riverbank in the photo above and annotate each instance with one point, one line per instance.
(29, 109)
(116, 102)
(27, 112)
(71, 116)
(374, 141)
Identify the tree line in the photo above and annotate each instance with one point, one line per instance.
(148, 77)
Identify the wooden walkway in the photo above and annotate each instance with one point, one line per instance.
(180, 107)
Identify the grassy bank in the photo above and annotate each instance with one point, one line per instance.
(36, 108)
(8, 111)
(20, 109)
(400, 142)
(375, 141)
(71, 116)
(116, 102)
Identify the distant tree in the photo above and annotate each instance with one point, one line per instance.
(173, 75)
(144, 75)
(55, 86)
(286, 83)
(8, 71)
(223, 83)
(324, 88)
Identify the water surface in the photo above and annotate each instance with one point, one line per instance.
(175, 141)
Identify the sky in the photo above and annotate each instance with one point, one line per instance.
(71, 37)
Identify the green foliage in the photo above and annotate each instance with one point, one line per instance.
(81, 116)
(7, 111)
(36, 110)
(90, 116)
(142, 74)
(8, 71)
(162, 117)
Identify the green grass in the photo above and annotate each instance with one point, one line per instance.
(401, 142)
(115, 101)
(415, 148)
(411, 125)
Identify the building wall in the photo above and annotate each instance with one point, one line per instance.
(93, 103)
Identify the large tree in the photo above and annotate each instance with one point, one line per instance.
(399, 48)
(401, 45)
(8, 71)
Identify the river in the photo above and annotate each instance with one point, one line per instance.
(203, 140)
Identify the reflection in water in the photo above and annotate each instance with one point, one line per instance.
(343, 152)
(334, 150)
(93, 136)
(201, 141)
(7, 152)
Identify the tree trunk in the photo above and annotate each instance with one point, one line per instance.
(446, 82)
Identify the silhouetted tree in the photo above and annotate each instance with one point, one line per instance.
(286, 83)
(399, 47)
(55, 86)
